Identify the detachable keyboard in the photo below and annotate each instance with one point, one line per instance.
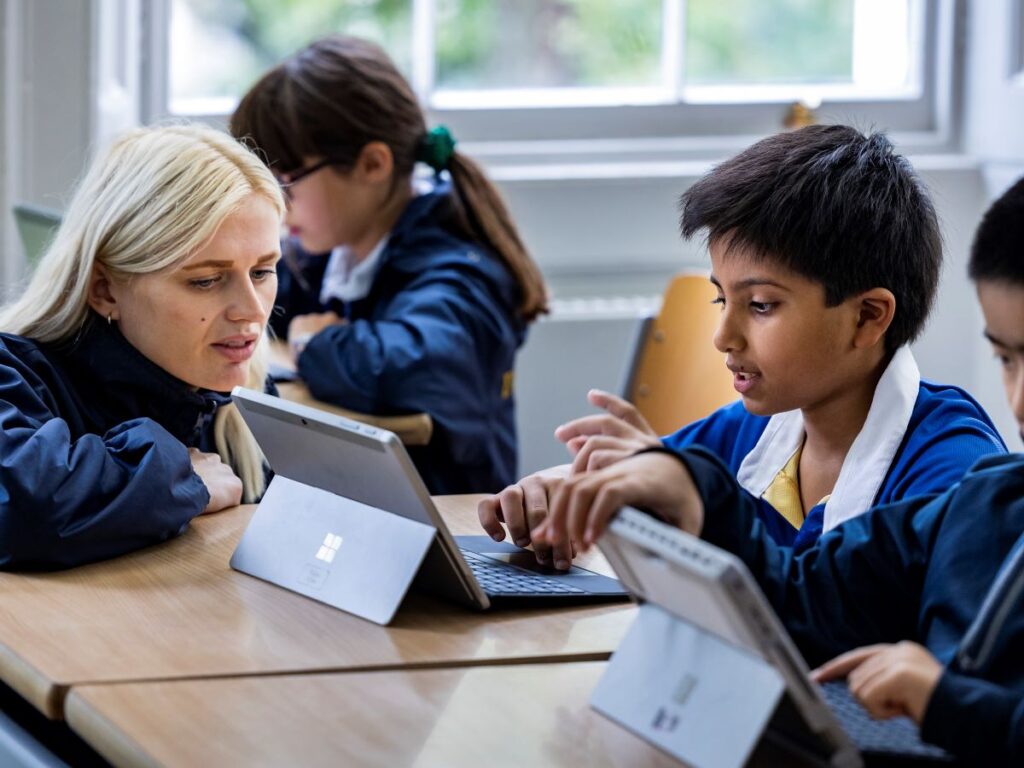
(505, 580)
(897, 736)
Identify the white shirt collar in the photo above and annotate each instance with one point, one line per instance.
(347, 282)
(869, 458)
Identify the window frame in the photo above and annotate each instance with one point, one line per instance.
(639, 131)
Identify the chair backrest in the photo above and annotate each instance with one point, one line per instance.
(678, 376)
(36, 226)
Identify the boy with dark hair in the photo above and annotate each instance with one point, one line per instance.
(826, 253)
(933, 587)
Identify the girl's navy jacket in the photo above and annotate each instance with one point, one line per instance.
(944, 571)
(437, 334)
(94, 444)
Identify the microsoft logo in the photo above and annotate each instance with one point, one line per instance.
(332, 542)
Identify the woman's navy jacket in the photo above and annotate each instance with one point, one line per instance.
(944, 571)
(437, 334)
(94, 444)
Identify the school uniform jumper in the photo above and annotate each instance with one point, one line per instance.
(945, 571)
(919, 438)
(437, 333)
(94, 441)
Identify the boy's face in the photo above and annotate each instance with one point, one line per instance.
(786, 349)
(1002, 303)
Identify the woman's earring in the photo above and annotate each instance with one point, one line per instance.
(109, 318)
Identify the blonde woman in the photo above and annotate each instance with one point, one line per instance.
(151, 304)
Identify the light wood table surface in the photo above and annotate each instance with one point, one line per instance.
(518, 715)
(177, 610)
(525, 715)
(412, 429)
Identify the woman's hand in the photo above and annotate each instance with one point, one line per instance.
(582, 505)
(600, 440)
(889, 680)
(223, 485)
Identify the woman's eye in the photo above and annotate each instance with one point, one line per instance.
(762, 307)
(263, 274)
(720, 301)
(204, 282)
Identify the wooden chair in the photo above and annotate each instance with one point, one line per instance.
(677, 375)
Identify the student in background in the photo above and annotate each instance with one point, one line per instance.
(932, 588)
(148, 307)
(825, 252)
(399, 295)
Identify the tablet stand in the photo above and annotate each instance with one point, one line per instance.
(687, 692)
(366, 572)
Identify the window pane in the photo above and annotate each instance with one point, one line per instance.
(757, 42)
(219, 47)
(499, 44)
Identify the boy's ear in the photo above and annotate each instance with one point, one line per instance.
(876, 310)
(375, 163)
(101, 296)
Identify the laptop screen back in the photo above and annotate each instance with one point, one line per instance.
(351, 460)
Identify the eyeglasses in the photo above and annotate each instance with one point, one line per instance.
(288, 180)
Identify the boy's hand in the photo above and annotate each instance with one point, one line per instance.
(889, 680)
(582, 505)
(522, 507)
(602, 439)
(223, 485)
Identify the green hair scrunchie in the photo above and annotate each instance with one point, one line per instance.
(436, 148)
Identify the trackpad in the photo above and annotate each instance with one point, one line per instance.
(513, 555)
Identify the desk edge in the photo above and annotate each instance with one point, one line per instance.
(31, 684)
(101, 734)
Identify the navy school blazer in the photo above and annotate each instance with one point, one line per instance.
(94, 441)
(944, 571)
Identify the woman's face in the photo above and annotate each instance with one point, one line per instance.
(201, 320)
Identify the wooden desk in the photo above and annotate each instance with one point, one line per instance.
(178, 611)
(520, 715)
(412, 429)
(529, 714)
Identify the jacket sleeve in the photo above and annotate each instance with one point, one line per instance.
(940, 450)
(976, 720)
(66, 501)
(427, 352)
(861, 583)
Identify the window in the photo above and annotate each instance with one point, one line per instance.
(506, 71)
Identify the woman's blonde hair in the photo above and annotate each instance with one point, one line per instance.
(146, 204)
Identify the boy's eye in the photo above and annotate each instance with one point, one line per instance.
(263, 274)
(1004, 360)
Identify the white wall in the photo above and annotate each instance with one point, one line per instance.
(48, 114)
(994, 135)
(994, 107)
(6, 225)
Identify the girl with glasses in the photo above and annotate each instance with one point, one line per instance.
(398, 294)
